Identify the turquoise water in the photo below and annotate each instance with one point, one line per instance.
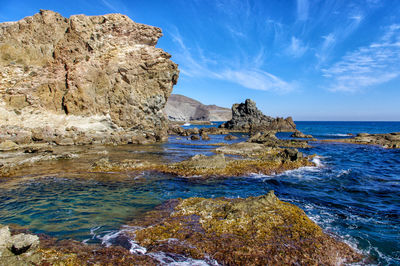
(354, 193)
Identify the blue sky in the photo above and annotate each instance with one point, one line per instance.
(313, 60)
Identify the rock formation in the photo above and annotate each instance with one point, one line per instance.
(83, 78)
(182, 108)
(247, 117)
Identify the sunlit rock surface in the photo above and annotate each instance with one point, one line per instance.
(82, 79)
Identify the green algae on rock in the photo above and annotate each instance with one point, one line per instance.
(255, 158)
(253, 231)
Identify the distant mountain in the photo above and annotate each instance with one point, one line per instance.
(182, 108)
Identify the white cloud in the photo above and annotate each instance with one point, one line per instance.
(256, 79)
(296, 48)
(367, 66)
(302, 9)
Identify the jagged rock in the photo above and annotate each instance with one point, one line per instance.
(182, 108)
(247, 117)
(100, 73)
(301, 135)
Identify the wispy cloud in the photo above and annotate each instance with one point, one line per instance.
(367, 66)
(235, 32)
(192, 63)
(296, 48)
(256, 79)
(302, 10)
(115, 6)
(340, 34)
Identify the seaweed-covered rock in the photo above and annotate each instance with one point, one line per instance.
(256, 158)
(247, 117)
(253, 231)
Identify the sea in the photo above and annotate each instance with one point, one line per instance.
(353, 192)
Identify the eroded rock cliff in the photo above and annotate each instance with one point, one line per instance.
(82, 80)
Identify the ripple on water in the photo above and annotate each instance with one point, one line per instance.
(353, 193)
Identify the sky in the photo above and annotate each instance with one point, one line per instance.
(309, 59)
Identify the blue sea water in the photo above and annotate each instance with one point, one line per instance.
(354, 193)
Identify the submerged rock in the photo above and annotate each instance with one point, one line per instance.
(247, 117)
(253, 231)
(79, 80)
(388, 141)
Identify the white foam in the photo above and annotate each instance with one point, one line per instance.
(135, 248)
(108, 238)
(317, 161)
(180, 260)
(339, 135)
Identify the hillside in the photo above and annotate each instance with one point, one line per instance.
(182, 108)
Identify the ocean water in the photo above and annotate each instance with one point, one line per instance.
(354, 193)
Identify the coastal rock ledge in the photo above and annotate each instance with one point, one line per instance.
(82, 80)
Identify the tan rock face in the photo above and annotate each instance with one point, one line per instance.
(103, 67)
